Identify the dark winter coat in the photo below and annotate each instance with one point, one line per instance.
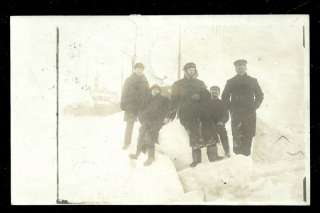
(155, 110)
(242, 96)
(186, 98)
(152, 117)
(212, 111)
(134, 94)
(218, 111)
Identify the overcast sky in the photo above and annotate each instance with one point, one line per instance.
(102, 46)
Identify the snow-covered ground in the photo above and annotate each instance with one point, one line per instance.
(94, 168)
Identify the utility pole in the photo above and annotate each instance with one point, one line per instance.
(179, 54)
(303, 37)
(57, 108)
(133, 60)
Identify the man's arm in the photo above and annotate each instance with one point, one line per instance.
(259, 96)
(124, 96)
(225, 114)
(226, 94)
(174, 102)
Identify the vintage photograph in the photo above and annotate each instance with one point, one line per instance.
(202, 109)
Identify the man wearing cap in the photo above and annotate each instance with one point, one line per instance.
(133, 98)
(186, 97)
(242, 96)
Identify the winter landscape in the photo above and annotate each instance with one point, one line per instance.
(94, 62)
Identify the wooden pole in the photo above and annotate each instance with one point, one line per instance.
(179, 54)
(303, 37)
(57, 113)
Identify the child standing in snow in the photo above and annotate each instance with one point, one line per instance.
(220, 116)
(152, 119)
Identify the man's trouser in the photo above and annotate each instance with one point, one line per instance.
(128, 132)
(193, 128)
(146, 141)
(223, 135)
(242, 145)
(212, 152)
(243, 129)
(196, 154)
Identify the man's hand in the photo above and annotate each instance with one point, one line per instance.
(220, 123)
(195, 97)
(172, 115)
(167, 120)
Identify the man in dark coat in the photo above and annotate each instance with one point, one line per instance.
(243, 96)
(220, 116)
(152, 119)
(186, 97)
(133, 97)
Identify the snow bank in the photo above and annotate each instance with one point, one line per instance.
(94, 168)
(269, 145)
(272, 145)
(174, 142)
(240, 180)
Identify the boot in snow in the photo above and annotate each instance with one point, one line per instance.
(125, 146)
(212, 152)
(227, 155)
(151, 153)
(193, 164)
(133, 156)
(148, 162)
(196, 156)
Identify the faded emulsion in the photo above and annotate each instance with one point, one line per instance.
(162, 110)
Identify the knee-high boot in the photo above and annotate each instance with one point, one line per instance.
(212, 152)
(151, 156)
(196, 157)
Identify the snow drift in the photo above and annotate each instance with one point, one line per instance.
(276, 167)
(272, 145)
(174, 142)
(239, 180)
(94, 168)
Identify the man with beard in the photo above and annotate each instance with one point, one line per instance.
(243, 96)
(133, 97)
(186, 97)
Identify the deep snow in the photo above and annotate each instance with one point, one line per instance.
(94, 168)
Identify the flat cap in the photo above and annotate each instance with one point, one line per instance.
(139, 65)
(214, 88)
(240, 62)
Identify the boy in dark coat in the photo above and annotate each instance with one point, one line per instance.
(220, 117)
(186, 97)
(209, 129)
(133, 97)
(152, 119)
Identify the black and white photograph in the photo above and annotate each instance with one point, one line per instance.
(160, 110)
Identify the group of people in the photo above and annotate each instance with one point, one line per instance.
(201, 111)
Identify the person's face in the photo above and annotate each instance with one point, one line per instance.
(155, 91)
(138, 71)
(215, 93)
(241, 69)
(191, 71)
